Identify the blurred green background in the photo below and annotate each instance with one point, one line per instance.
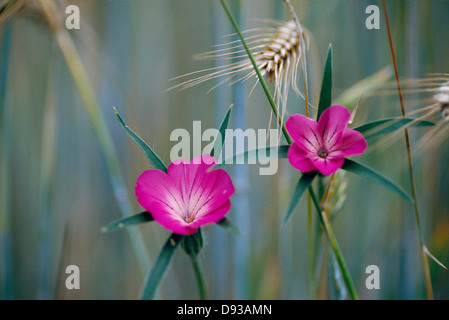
(56, 191)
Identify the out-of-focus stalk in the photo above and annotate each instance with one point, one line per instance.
(47, 174)
(87, 94)
(422, 246)
(6, 268)
(263, 83)
(334, 245)
(241, 202)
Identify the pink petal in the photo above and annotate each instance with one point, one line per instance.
(300, 159)
(163, 216)
(352, 143)
(155, 185)
(333, 121)
(187, 188)
(212, 216)
(303, 131)
(157, 193)
(215, 190)
(329, 165)
(187, 176)
(184, 172)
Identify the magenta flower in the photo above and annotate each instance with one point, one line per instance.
(323, 145)
(188, 196)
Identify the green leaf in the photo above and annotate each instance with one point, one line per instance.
(326, 87)
(149, 153)
(374, 176)
(193, 244)
(230, 227)
(394, 124)
(304, 182)
(218, 145)
(402, 124)
(160, 266)
(252, 155)
(128, 221)
(372, 125)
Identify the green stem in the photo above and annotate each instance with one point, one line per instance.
(311, 248)
(199, 277)
(334, 245)
(259, 75)
(322, 216)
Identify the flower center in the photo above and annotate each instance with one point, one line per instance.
(189, 218)
(322, 154)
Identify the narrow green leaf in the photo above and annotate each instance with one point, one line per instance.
(149, 153)
(401, 124)
(218, 144)
(128, 221)
(372, 125)
(160, 266)
(374, 176)
(304, 182)
(230, 227)
(326, 87)
(393, 124)
(252, 155)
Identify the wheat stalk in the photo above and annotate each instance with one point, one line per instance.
(278, 53)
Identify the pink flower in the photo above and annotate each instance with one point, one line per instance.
(188, 196)
(323, 145)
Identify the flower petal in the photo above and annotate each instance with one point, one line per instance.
(333, 121)
(329, 165)
(352, 143)
(300, 159)
(187, 196)
(163, 216)
(188, 176)
(212, 216)
(304, 131)
(215, 190)
(157, 193)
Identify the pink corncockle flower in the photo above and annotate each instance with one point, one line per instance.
(188, 196)
(323, 145)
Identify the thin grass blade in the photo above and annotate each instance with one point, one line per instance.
(326, 87)
(304, 182)
(431, 256)
(263, 83)
(160, 266)
(131, 220)
(374, 176)
(149, 153)
(394, 124)
(218, 144)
